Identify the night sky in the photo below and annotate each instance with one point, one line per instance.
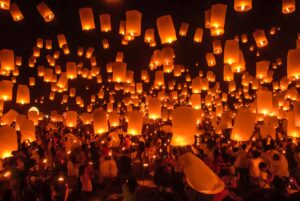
(21, 37)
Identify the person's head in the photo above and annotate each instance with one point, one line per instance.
(244, 146)
(262, 166)
(276, 157)
(132, 184)
(255, 154)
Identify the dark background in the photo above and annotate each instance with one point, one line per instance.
(21, 36)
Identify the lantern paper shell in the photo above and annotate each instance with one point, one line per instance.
(260, 38)
(45, 12)
(264, 101)
(243, 125)
(6, 87)
(183, 29)
(184, 126)
(292, 129)
(27, 130)
(288, 6)
(262, 69)
(23, 94)
(199, 176)
(293, 63)
(217, 19)
(114, 119)
(133, 23)
(119, 72)
(100, 121)
(198, 35)
(154, 108)
(242, 5)
(15, 12)
(231, 52)
(105, 24)
(196, 101)
(4, 4)
(71, 119)
(166, 29)
(7, 60)
(297, 113)
(86, 18)
(135, 122)
(71, 70)
(8, 141)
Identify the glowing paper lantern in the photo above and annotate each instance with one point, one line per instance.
(100, 121)
(71, 119)
(23, 94)
(6, 90)
(149, 35)
(262, 69)
(135, 122)
(184, 126)
(242, 5)
(7, 60)
(210, 59)
(196, 101)
(10, 117)
(260, 38)
(243, 125)
(8, 141)
(217, 19)
(267, 130)
(292, 129)
(199, 176)
(293, 64)
(288, 6)
(4, 4)
(231, 52)
(71, 70)
(105, 24)
(119, 72)
(159, 78)
(33, 114)
(217, 46)
(264, 101)
(228, 74)
(239, 66)
(15, 12)
(154, 108)
(86, 18)
(133, 23)
(114, 119)
(27, 130)
(198, 35)
(45, 12)
(166, 29)
(183, 29)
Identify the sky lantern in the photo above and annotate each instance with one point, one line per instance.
(135, 122)
(133, 23)
(4, 4)
(15, 12)
(293, 63)
(119, 72)
(100, 121)
(114, 119)
(196, 85)
(154, 108)
(184, 123)
(105, 44)
(262, 69)
(239, 66)
(62, 81)
(10, 117)
(149, 35)
(20, 118)
(217, 19)
(183, 29)
(207, 15)
(260, 38)
(27, 129)
(33, 114)
(242, 5)
(217, 46)
(119, 56)
(166, 29)
(199, 176)
(6, 87)
(45, 12)
(292, 129)
(195, 100)
(86, 19)
(61, 39)
(297, 113)
(159, 78)
(8, 141)
(210, 59)
(71, 70)
(198, 35)
(71, 119)
(105, 24)
(231, 52)
(7, 60)
(288, 6)
(86, 118)
(228, 74)
(23, 94)
(264, 101)
(243, 125)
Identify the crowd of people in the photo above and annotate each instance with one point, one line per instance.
(74, 164)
